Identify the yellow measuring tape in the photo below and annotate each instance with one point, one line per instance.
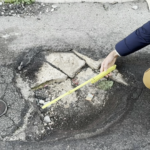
(92, 80)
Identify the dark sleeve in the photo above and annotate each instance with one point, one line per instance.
(135, 41)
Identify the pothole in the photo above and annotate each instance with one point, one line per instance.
(51, 75)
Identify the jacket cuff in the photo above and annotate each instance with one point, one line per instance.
(117, 53)
(121, 48)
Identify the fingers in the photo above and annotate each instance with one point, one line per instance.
(108, 62)
(104, 67)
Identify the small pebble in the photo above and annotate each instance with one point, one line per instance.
(45, 124)
(54, 6)
(41, 102)
(52, 9)
(135, 7)
(42, 4)
(47, 119)
(47, 10)
(51, 123)
(46, 103)
(48, 128)
(42, 131)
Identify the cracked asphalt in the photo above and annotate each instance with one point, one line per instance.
(17, 107)
(92, 31)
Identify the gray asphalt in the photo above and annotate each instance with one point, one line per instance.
(93, 31)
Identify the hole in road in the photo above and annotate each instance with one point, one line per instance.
(86, 112)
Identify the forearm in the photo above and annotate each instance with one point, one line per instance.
(135, 41)
(114, 53)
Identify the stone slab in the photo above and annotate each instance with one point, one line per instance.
(67, 62)
(49, 73)
(118, 77)
(90, 62)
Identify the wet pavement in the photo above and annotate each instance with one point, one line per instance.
(124, 121)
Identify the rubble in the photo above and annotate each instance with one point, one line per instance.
(47, 119)
(135, 7)
(41, 102)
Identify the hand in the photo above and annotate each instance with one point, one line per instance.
(109, 61)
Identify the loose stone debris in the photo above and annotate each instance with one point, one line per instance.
(22, 10)
(47, 119)
(53, 7)
(135, 7)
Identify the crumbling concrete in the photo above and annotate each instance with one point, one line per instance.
(17, 107)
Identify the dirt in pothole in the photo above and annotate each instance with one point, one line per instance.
(56, 118)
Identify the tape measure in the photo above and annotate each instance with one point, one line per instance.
(92, 80)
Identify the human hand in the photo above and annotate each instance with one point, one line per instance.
(109, 61)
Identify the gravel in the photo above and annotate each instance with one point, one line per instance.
(22, 10)
(47, 119)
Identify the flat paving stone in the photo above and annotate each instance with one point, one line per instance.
(49, 73)
(67, 62)
(90, 62)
